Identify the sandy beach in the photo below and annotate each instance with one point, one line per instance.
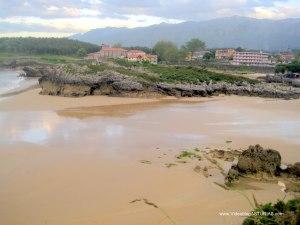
(82, 160)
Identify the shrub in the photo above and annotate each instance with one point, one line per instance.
(279, 213)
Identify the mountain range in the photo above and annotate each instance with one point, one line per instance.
(236, 31)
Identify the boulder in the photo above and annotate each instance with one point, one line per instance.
(294, 169)
(256, 159)
(233, 175)
(32, 71)
(37, 71)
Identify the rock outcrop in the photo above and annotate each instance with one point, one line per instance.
(78, 81)
(256, 160)
(36, 71)
(245, 89)
(104, 83)
(294, 170)
(228, 156)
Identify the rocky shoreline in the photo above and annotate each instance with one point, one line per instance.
(57, 81)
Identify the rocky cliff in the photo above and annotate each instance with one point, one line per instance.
(59, 81)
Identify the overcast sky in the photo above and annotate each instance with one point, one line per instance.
(65, 17)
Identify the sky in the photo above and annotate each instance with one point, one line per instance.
(57, 18)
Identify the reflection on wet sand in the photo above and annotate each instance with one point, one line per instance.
(121, 110)
(170, 123)
(85, 165)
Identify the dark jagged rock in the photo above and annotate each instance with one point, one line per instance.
(233, 174)
(294, 170)
(261, 90)
(255, 160)
(104, 83)
(37, 71)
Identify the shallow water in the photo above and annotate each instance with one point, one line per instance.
(130, 129)
(10, 81)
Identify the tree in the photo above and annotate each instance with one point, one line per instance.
(195, 45)
(297, 60)
(240, 49)
(166, 51)
(55, 46)
(279, 59)
(81, 52)
(183, 53)
(208, 56)
(280, 68)
(291, 67)
(144, 49)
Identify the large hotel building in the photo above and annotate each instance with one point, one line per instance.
(252, 59)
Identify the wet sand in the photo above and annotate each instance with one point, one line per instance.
(32, 101)
(78, 161)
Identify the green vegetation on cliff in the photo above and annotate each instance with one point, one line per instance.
(177, 74)
(162, 73)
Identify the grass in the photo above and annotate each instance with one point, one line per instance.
(182, 74)
(188, 154)
(192, 75)
(276, 214)
(95, 68)
(141, 75)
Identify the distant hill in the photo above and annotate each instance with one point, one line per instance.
(57, 46)
(260, 34)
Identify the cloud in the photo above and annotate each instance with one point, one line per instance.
(71, 16)
(34, 34)
(81, 24)
(76, 12)
(278, 11)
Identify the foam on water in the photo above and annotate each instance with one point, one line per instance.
(9, 80)
(11, 83)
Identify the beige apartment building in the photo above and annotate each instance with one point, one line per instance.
(252, 59)
(225, 54)
(287, 57)
(140, 56)
(107, 52)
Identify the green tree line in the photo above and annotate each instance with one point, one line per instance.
(293, 67)
(53, 46)
(169, 52)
